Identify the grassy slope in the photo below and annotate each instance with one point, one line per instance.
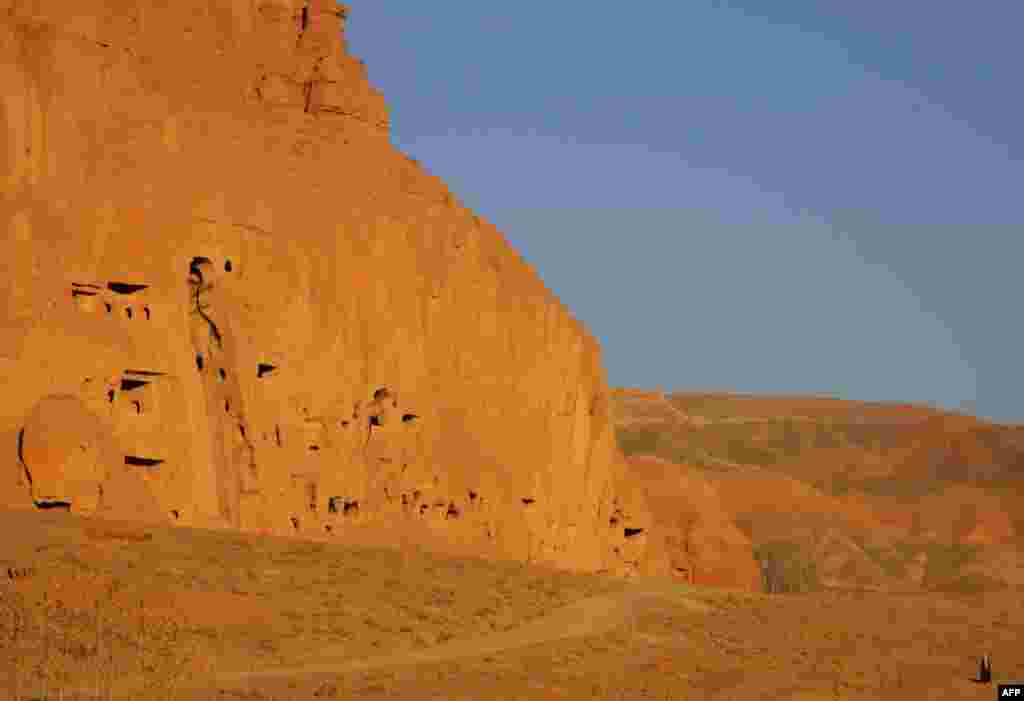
(682, 643)
(931, 475)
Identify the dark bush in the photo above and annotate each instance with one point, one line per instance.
(785, 568)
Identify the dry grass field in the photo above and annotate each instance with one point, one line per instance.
(92, 609)
(886, 537)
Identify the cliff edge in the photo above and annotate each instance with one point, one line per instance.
(229, 301)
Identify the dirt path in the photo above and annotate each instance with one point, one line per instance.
(590, 616)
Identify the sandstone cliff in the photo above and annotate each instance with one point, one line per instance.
(229, 301)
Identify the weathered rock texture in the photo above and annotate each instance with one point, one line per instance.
(827, 492)
(228, 300)
(693, 536)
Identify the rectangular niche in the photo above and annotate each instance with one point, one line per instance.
(126, 288)
(265, 370)
(137, 392)
(143, 461)
(85, 296)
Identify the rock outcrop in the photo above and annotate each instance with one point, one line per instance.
(66, 445)
(693, 536)
(229, 301)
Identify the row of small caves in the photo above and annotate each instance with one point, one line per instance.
(339, 505)
(336, 505)
(412, 503)
(87, 290)
(126, 289)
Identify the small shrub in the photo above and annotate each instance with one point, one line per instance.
(785, 569)
(945, 562)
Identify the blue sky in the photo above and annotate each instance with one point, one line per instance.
(820, 197)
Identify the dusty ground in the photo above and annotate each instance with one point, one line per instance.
(283, 619)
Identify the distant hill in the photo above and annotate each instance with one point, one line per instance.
(846, 494)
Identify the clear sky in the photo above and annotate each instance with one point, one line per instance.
(824, 196)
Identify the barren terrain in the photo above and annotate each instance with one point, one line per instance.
(229, 615)
(844, 494)
(284, 419)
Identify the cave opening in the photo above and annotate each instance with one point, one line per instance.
(128, 384)
(128, 312)
(409, 418)
(125, 288)
(527, 500)
(194, 266)
(263, 369)
(630, 532)
(138, 461)
(227, 265)
(222, 374)
(79, 289)
(145, 311)
(199, 361)
(54, 505)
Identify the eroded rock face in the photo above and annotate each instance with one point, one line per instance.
(284, 324)
(62, 446)
(693, 536)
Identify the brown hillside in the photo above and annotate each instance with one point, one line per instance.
(702, 543)
(862, 494)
